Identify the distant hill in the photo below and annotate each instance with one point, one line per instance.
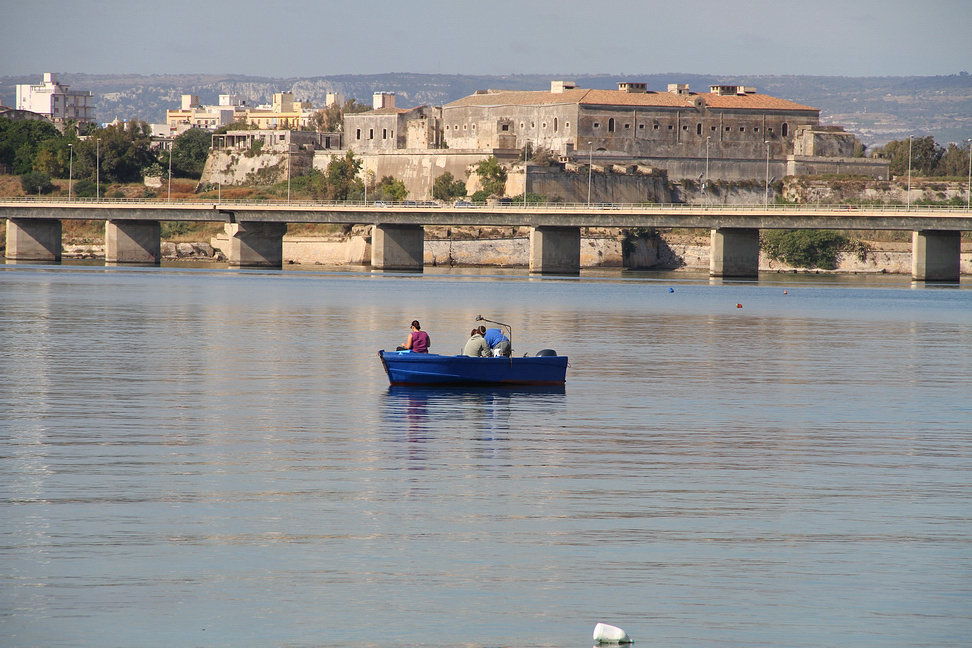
(878, 109)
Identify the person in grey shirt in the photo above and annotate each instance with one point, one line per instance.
(476, 346)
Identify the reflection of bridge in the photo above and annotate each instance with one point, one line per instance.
(256, 229)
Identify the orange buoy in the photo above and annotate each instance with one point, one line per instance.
(738, 305)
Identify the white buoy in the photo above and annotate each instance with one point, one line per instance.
(604, 633)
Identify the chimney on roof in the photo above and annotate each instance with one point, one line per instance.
(381, 100)
(558, 87)
(678, 88)
(633, 88)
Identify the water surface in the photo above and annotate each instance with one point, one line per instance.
(200, 457)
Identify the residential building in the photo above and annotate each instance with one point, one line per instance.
(284, 112)
(58, 102)
(192, 114)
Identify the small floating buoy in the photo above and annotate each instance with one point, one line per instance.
(784, 292)
(671, 290)
(738, 305)
(604, 633)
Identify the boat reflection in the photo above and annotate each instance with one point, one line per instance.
(483, 415)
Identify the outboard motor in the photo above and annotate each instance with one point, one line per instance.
(546, 352)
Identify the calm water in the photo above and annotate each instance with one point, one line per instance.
(200, 457)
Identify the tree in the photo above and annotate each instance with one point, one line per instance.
(189, 153)
(341, 178)
(492, 176)
(805, 248)
(121, 151)
(925, 154)
(446, 187)
(20, 141)
(955, 161)
(36, 183)
(389, 188)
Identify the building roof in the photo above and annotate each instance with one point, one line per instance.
(387, 110)
(592, 97)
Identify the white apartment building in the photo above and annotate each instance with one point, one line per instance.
(56, 101)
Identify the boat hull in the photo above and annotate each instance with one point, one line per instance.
(405, 368)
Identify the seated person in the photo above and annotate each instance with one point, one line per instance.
(476, 346)
(418, 341)
(499, 343)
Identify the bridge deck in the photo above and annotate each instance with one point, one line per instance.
(844, 217)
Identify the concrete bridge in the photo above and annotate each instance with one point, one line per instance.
(256, 229)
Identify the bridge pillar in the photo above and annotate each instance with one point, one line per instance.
(398, 247)
(128, 241)
(255, 245)
(734, 252)
(33, 239)
(935, 255)
(555, 250)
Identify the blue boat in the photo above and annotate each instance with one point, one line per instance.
(405, 368)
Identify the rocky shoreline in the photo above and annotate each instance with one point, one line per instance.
(509, 248)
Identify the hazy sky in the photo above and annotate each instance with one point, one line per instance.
(621, 37)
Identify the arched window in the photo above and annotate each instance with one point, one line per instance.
(698, 129)
(371, 133)
(611, 125)
(359, 133)
(786, 129)
(384, 133)
(555, 124)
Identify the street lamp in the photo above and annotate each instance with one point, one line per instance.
(909, 171)
(590, 170)
(705, 185)
(290, 153)
(171, 141)
(219, 177)
(71, 173)
(526, 154)
(766, 189)
(968, 190)
(98, 167)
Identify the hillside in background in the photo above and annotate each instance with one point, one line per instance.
(878, 109)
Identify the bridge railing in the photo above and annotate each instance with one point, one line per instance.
(498, 206)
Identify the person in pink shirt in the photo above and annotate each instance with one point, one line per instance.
(418, 341)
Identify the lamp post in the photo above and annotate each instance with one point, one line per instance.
(219, 177)
(71, 173)
(968, 189)
(169, 199)
(98, 167)
(766, 188)
(590, 170)
(290, 152)
(526, 154)
(705, 185)
(909, 171)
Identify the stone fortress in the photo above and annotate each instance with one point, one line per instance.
(644, 138)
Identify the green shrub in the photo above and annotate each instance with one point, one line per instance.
(805, 248)
(85, 189)
(36, 183)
